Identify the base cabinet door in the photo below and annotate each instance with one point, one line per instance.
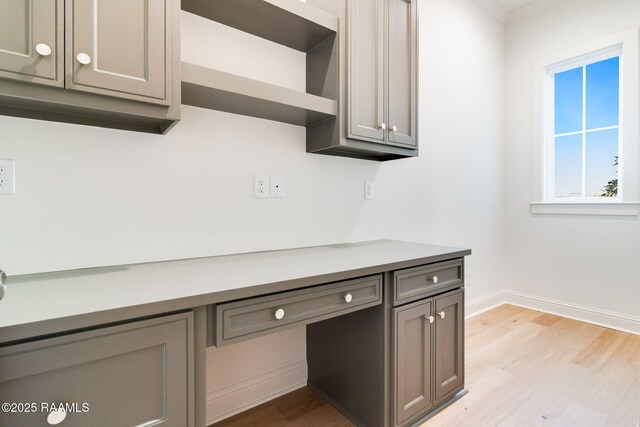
(31, 41)
(412, 350)
(120, 48)
(128, 375)
(449, 345)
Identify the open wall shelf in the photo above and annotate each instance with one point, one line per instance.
(290, 23)
(217, 90)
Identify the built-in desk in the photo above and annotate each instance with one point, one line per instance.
(375, 311)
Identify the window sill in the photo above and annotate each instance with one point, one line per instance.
(585, 208)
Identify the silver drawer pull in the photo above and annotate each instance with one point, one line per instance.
(431, 319)
(56, 417)
(280, 314)
(441, 314)
(83, 58)
(348, 298)
(43, 49)
(434, 279)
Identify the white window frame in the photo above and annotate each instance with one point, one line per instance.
(626, 45)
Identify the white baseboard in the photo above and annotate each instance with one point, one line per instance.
(482, 304)
(239, 397)
(607, 319)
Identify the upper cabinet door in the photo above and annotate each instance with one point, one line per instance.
(365, 65)
(119, 48)
(449, 342)
(31, 41)
(402, 87)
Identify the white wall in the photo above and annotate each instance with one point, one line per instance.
(588, 261)
(89, 196)
(452, 194)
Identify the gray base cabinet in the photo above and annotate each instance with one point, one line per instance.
(128, 375)
(110, 63)
(448, 345)
(428, 355)
(412, 351)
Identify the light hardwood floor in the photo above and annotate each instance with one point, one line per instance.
(524, 368)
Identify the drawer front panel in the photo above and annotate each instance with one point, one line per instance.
(134, 374)
(415, 283)
(240, 320)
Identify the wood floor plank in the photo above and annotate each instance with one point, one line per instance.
(549, 371)
(601, 349)
(547, 319)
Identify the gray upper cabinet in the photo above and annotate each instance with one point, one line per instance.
(381, 86)
(119, 48)
(31, 41)
(402, 86)
(109, 63)
(449, 342)
(378, 88)
(366, 70)
(412, 354)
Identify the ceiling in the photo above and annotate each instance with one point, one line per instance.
(513, 5)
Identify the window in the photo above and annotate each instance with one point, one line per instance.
(584, 139)
(587, 156)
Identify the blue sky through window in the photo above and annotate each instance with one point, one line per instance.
(588, 154)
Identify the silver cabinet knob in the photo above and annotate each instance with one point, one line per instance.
(348, 298)
(43, 49)
(394, 128)
(441, 314)
(434, 279)
(383, 126)
(56, 417)
(431, 319)
(280, 314)
(83, 58)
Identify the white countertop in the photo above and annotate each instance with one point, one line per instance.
(176, 285)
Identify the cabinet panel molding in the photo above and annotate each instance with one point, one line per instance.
(402, 66)
(31, 41)
(132, 62)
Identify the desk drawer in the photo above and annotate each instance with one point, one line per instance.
(418, 282)
(241, 320)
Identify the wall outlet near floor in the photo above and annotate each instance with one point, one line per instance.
(261, 186)
(369, 190)
(7, 177)
(277, 187)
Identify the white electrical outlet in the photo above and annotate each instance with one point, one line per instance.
(261, 186)
(369, 190)
(7, 177)
(277, 187)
